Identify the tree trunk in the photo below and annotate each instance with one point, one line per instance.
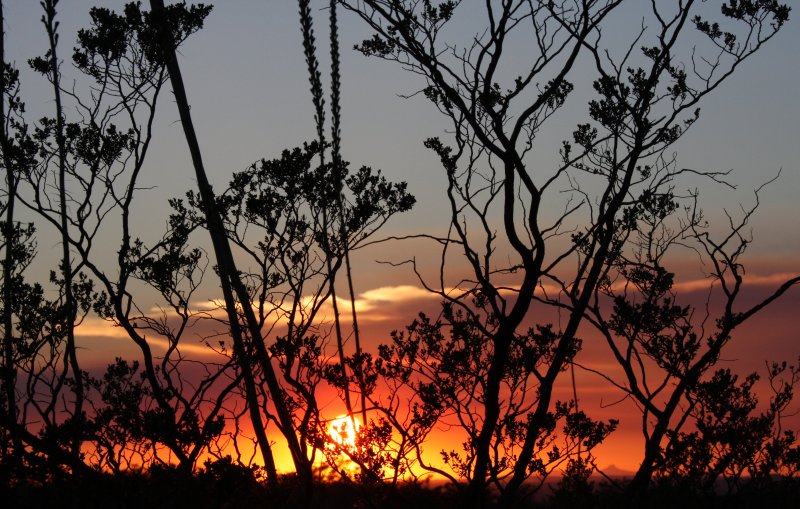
(222, 250)
(9, 371)
(71, 308)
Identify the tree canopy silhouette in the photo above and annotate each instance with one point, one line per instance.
(284, 335)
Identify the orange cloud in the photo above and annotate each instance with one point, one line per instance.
(93, 329)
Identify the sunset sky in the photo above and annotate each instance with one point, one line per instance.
(246, 81)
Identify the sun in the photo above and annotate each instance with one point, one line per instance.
(343, 429)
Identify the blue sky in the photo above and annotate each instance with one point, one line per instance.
(246, 81)
(247, 84)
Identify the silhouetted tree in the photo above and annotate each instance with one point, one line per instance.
(667, 352)
(481, 365)
(488, 365)
(79, 175)
(355, 206)
(731, 442)
(308, 230)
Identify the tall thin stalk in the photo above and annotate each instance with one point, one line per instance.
(336, 143)
(309, 50)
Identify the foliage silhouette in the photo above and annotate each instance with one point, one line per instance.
(621, 213)
(169, 428)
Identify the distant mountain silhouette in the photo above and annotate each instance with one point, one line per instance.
(615, 471)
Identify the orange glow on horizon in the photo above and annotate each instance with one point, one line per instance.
(770, 335)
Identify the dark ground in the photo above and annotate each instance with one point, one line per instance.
(237, 487)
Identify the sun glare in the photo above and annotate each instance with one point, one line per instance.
(343, 429)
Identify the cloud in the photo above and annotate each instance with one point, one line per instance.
(380, 304)
(387, 303)
(749, 280)
(92, 329)
(384, 306)
(688, 285)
